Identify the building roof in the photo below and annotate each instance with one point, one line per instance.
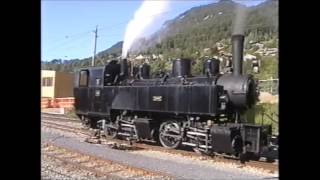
(139, 57)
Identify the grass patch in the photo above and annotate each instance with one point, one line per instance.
(265, 112)
(71, 113)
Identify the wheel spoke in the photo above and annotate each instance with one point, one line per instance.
(170, 134)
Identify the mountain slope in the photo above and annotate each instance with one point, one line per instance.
(115, 49)
(191, 32)
(201, 27)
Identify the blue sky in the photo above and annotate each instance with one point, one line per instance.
(67, 25)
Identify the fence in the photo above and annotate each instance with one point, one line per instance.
(57, 103)
(269, 115)
(45, 103)
(274, 119)
(269, 85)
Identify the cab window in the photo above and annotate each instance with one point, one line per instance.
(83, 78)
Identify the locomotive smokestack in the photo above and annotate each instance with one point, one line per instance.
(237, 53)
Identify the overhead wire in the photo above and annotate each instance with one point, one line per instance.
(74, 37)
(69, 37)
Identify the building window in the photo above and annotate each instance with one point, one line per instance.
(83, 78)
(47, 81)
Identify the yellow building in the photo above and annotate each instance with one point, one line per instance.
(56, 84)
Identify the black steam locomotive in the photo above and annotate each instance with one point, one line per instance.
(204, 112)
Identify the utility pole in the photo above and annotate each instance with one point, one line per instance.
(95, 45)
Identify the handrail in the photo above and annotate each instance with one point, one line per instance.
(264, 80)
(269, 85)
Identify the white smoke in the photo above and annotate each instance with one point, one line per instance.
(144, 17)
(240, 19)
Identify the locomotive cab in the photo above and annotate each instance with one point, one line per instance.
(88, 84)
(91, 99)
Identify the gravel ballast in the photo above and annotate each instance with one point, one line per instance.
(181, 169)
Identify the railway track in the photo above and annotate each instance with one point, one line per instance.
(271, 167)
(59, 117)
(62, 125)
(100, 168)
(66, 128)
(125, 145)
(44, 172)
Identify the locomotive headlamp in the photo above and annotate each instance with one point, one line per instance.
(223, 102)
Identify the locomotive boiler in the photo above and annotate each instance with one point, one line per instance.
(176, 109)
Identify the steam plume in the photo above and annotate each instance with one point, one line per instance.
(144, 17)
